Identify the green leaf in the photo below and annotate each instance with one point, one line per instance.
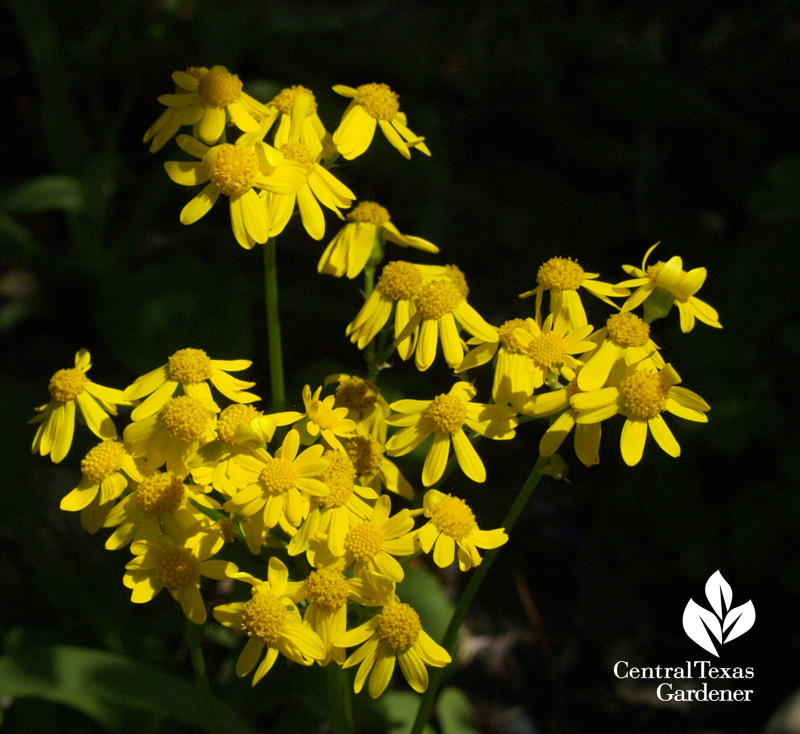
(108, 688)
(454, 712)
(46, 193)
(400, 709)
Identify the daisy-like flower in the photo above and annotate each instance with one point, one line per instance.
(368, 226)
(161, 562)
(322, 418)
(550, 348)
(451, 525)
(172, 118)
(393, 636)
(372, 105)
(171, 435)
(68, 388)
(271, 487)
(563, 277)
(236, 171)
(159, 501)
(374, 468)
(445, 417)
(364, 402)
(205, 98)
(664, 283)
(105, 472)
(624, 337)
(270, 620)
(191, 369)
(641, 393)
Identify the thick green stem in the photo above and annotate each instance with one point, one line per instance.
(471, 589)
(200, 675)
(273, 327)
(340, 700)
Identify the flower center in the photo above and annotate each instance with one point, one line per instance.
(160, 493)
(339, 476)
(357, 394)
(264, 617)
(644, 394)
(366, 453)
(103, 460)
(369, 212)
(399, 626)
(219, 87)
(189, 366)
(510, 342)
(363, 541)
(400, 280)
(546, 350)
(228, 529)
(178, 568)
(277, 477)
(298, 151)
(234, 169)
(447, 413)
(453, 517)
(437, 298)
(628, 330)
(184, 417)
(457, 276)
(327, 588)
(232, 417)
(378, 100)
(560, 273)
(66, 385)
(654, 269)
(322, 415)
(284, 100)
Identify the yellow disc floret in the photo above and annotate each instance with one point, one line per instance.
(447, 413)
(369, 212)
(400, 280)
(184, 418)
(299, 152)
(178, 569)
(654, 269)
(339, 476)
(644, 394)
(510, 342)
(452, 516)
(457, 276)
(546, 350)
(378, 100)
(103, 460)
(66, 385)
(234, 169)
(399, 626)
(277, 477)
(628, 330)
(160, 493)
(189, 366)
(219, 87)
(327, 588)
(285, 99)
(232, 417)
(264, 617)
(560, 273)
(366, 453)
(363, 541)
(437, 298)
(357, 394)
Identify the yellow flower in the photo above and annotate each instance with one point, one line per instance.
(393, 636)
(192, 369)
(374, 469)
(641, 393)
(364, 402)
(67, 388)
(172, 118)
(236, 171)
(445, 417)
(322, 418)
(270, 620)
(368, 226)
(161, 562)
(451, 525)
(562, 277)
(670, 283)
(204, 99)
(373, 105)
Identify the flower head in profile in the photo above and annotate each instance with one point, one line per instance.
(660, 285)
(173, 118)
(325, 420)
(452, 527)
(271, 622)
(373, 105)
(68, 388)
(374, 468)
(368, 226)
(364, 402)
(445, 417)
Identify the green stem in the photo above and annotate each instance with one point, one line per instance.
(471, 589)
(200, 675)
(340, 700)
(273, 326)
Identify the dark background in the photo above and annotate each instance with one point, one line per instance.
(582, 129)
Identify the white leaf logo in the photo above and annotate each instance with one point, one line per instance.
(724, 624)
